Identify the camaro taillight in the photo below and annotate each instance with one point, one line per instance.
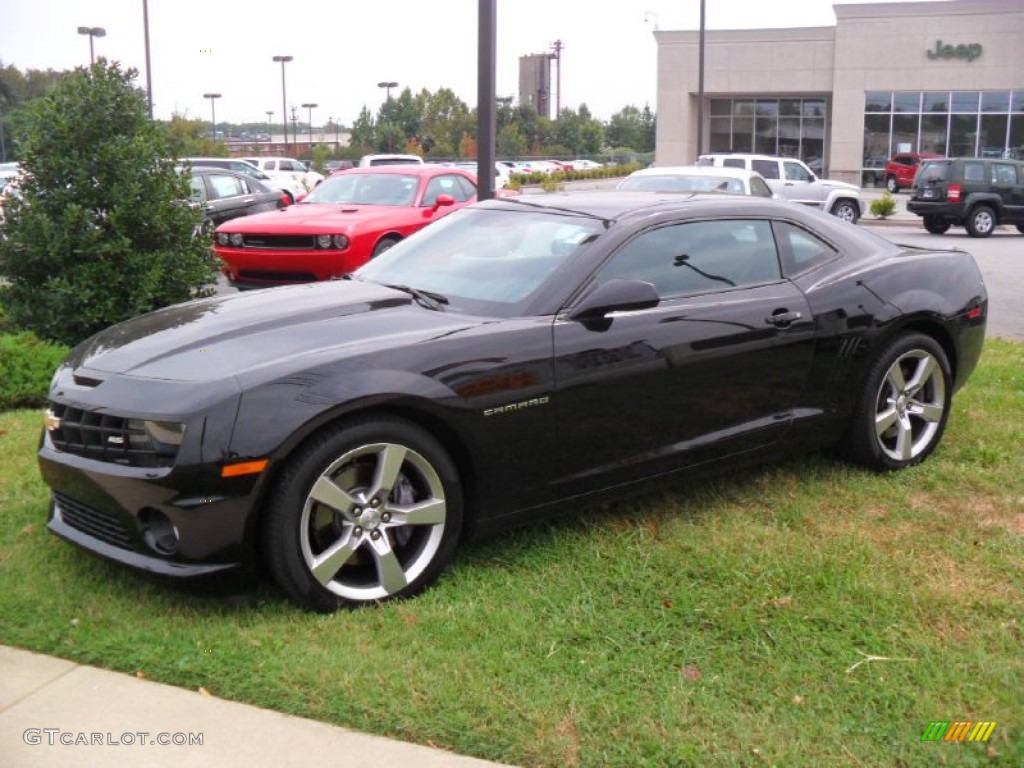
(953, 195)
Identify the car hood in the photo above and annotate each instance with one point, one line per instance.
(833, 184)
(212, 339)
(321, 218)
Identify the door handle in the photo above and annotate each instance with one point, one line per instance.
(782, 318)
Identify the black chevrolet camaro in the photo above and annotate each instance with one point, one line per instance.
(517, 354)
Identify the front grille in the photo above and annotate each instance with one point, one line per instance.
(103, 437)
(280, 242)
(105, 526)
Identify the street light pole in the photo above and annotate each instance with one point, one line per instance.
(270, 126)
(213, 113)
(387, 85)
(92, 32)
(284, 99)
(149, 74)
(310, 106)
(700, 84)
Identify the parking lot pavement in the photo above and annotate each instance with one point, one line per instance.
(57, 713)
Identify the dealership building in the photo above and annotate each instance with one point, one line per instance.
(944, 77)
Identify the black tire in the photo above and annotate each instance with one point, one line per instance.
(1020, 228)
(935, 224)
(892, 184)
(380, 490)
(981, 221)
(847, 210)
(902, 411)
(385, 244)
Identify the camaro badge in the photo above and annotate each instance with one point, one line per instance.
(517, 406)
(51, 421)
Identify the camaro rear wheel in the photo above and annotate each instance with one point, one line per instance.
(846, 210)
(981, 221)
(935, 224)
(369, 511)
(903, 408)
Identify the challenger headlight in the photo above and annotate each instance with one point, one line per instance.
(236, 239)
(323, 241)
(162, 437)
(222, 238)
(340, 242)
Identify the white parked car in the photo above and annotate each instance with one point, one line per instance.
(793, 180)
(697, 178)
(372, 161)
(289, 175)
(583, 164)
(502, 173)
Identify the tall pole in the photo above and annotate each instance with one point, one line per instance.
(270, 127)
(387, 85)
(700, 84)
(149, 72)
(92, 32)
(284, 99)
(213, 113)
(557, 56)
(310, 106)
(486, 90)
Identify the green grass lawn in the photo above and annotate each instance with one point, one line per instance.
(725, 623)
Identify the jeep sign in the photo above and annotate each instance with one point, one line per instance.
(949, 51)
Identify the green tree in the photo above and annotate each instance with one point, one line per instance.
(364, 131)
(191, 138)
(102, 230)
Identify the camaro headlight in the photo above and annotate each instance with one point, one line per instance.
(222, 238)
(160, 436)
(340, 242)
(236, 239)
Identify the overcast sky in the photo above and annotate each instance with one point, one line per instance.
(343, 48)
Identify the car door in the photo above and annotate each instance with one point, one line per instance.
(801, 185)
(713, 370)
(228, 197)
(1007, 183)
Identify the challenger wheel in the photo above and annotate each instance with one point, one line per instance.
(902, 411)
(981, 221)
(384, 245)
(369, 511)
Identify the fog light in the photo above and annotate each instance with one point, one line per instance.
(158, 531)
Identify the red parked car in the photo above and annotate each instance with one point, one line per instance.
(902, 167)
(347, 220)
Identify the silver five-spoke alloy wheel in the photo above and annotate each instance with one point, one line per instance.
(910, 405)
(373, 521)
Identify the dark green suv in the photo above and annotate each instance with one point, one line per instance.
(973, 192)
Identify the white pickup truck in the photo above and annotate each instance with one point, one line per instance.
(289, 175)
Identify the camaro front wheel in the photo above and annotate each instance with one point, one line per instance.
(368, 511)
(904, 405)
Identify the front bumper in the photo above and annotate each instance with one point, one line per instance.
(253, 268)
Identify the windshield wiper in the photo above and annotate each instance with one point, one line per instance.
(428, 299)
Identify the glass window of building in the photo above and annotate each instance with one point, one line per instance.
(790, 127)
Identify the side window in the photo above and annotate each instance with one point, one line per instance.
(767, 168)
(467, 190)
(796, 172)
(974, 172)
(222, 185)
(268, 165)
(1004, 173)
(734, 162)
(698, 257)
(800, 250)
(759, 188)
(198, 189)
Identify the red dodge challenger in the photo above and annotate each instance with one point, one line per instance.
(343, 223)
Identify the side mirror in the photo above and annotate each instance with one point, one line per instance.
(439, 202)
(615, 296)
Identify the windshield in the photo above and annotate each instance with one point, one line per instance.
(366, 189)
(485, 261)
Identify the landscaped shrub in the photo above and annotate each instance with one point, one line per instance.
(883, 206)
(26, 367)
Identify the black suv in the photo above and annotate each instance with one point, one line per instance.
(973, 192)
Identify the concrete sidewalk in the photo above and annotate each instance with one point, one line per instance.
(57, 713)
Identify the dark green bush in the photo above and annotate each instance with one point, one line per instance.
(26, 367)
(102, 230)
